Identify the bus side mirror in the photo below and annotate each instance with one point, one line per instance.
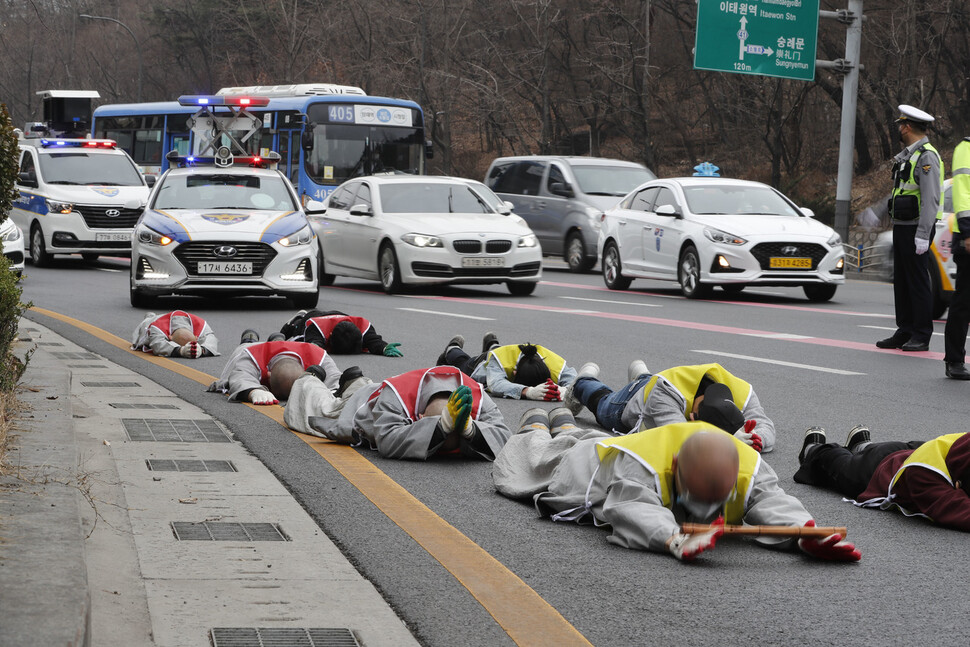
(306, 139)
(429, 149)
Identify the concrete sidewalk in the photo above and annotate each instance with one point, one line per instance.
(133, 518)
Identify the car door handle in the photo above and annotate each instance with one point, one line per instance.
(622, 223)
(541, 205)
(647, 228)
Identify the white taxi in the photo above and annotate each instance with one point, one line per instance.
(709, 231)
(237, 230)
(402, 229)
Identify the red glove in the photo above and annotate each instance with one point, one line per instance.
(831, 548)
(687, 547)
(190, 350)
(747, 435)
(552, 391)
(547, 391)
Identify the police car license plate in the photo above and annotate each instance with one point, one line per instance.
(791, 263)
(225, 267)
(112, 238)
(483, 261)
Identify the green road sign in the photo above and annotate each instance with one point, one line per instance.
(766, 37)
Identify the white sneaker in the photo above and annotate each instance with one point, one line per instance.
(589, 369)
(569, 400)
(637, 368)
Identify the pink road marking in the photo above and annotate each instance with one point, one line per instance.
(693, 325)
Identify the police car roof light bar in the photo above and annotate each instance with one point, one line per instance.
(223, 100)
(78, 143)
(251, 160)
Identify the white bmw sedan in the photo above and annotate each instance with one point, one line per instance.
(229, 231)
(405, 229)
(13, 245)
(707, 231)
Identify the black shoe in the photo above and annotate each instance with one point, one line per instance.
(318, 371)
(348, 376)
(489, 341)
(276, 336)
(957, 371)
(249, 336)
(858, 435)
(892, 342)
(813, 436)
(457, 341)
(913, 346)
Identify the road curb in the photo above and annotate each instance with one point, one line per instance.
(43, 574)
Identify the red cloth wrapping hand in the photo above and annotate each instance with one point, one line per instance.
(746, 434)
(832, 548)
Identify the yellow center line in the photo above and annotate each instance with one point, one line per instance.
(524, 615)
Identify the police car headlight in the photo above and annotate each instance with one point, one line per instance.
(12, 235)
(59, 207)
(302, 237)
(834, 240)
(528, 241)
(422, 240)
(149, 236)
(718, 236)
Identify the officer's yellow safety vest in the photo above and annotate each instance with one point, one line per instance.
(686, 379)
(961, 184)
(655, 449)
(508, 358)
(906, 184)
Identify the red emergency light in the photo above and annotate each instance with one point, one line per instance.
(205, 100)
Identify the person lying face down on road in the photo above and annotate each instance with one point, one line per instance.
(175, 334)
(927, 479)
(338, 333)
(646, 484)
(415, 415)
(519, 371)
(706, 392)
(264, 372)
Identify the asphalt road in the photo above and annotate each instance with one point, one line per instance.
(811, 364)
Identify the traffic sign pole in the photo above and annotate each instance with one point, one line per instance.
(850, 92)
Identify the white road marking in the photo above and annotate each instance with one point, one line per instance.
(807, 367)
(446, 314)
(938, 334)
(624, 303)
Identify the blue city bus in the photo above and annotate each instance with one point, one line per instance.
(324, 134)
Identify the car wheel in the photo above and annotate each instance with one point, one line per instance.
(575, 254)
(819, 293)
(139, 299)
(325, 279)
(734, 288)
(304, 300)
(520, 288)
(388, 270)
(38, 249)
(689, 274)
(612, 270)
(90, 257)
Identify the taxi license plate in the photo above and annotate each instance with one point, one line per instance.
(483, 261)
(112, 238)
(225, 267)
(791, 263)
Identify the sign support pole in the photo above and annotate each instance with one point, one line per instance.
(850, 93)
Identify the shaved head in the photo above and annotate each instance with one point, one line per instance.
(436, 405)
(182, 336)
(708, 464)
(282, 375)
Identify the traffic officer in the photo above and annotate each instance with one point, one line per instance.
(959, 317)
(914, 208)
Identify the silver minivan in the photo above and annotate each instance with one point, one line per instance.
(563, 198)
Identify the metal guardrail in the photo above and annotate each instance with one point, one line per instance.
(872, 257)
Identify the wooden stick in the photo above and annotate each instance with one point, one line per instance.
(816, 532)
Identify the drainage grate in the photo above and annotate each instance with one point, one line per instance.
(283, 637)
(66, 355)
(49, 343)
(127, 405)
(176, 465)
(174, 431)
(111, 384)
(226, 531)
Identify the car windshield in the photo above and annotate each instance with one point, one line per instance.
(221, 191)
(418, 197)
(89, 169)
(731, 200)
(486, 194)
(610, 180)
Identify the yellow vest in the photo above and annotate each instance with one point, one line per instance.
(960, 189)
(508, 357)
(905, 181)
(655, 449)
(686, 379)
(930, 455)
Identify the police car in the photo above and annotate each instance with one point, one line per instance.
(77, 196)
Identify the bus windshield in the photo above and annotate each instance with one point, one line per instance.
(89, 168)
(343, 151)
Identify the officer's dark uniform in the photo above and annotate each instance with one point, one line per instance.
(958, 319)
(914, 208)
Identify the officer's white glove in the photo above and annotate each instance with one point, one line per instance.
(548, 391)
(687, 547)
(191, 350)
(922, 244)
(746, 435)
(262, 396)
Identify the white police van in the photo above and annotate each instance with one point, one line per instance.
(77, 195)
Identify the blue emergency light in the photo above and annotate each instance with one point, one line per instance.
(706, 169)
(194, 160)
(235, 100)
(78, 143)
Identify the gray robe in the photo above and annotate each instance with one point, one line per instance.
(148, 338)
(241, 374)
(568, 482)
